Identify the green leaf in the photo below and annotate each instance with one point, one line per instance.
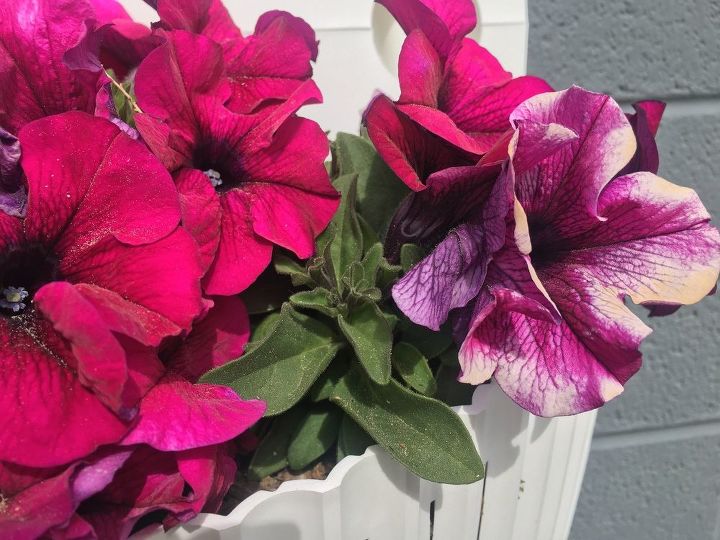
(371, 263)
(282, 368)
(450, 390)
(413, 368)
(314, 436)
(285, 266)
(323, 387)
(429, 342)
(352, 439)
(422, 433)
(410, 255)
(262, 330)
(379, 190)
(271, 454)
(449, 357)
(318, 299)
(369, 334)
(346, 245)
(370, 237)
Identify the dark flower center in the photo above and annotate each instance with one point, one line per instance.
(23, 271)
(547, 244)
(220, 164)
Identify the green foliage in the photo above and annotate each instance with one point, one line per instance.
(314, 436)
(340, 345)
(370, 336)
(281, 368)
(271, 454)
(413, 368)
(379, 191)
(352, 439)
(422, 433)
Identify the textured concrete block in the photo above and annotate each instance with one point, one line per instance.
(663, 491)
(680, 379)
(629, 48)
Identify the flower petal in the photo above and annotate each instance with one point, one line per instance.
(444, 23)
(273, 62)
(47, 407)
(242, 255)
(216, 339)
(410, 150)
(51, 502)
(201, 213)
(654, 243)
(34, 81)
(563, 190)
(84, 176)
(645, 123)
(132, 272)
(178, 415)
(420, 71)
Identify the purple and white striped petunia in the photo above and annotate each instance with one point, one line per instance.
(550, 323)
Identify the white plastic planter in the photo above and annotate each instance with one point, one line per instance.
(535, 466)
(534, 469)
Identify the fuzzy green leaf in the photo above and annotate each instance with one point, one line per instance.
(429, 342)
(410, 255)
(314, 436)
(318, 299)
(379, 190)
(352, 439)
(271, 454)
(370, 336)
(422, 433)
(371, 262)
(370, 237)
(413, 368)
(345, 247)
(285, 266)
(282, 368)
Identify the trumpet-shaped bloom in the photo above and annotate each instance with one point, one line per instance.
(269, 64)
(82, 309)
(176, 456)
(453, 90)
(550, 323)
(247, 182)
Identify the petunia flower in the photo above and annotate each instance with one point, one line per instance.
(270, 64)
(83, 305)
(550, 324)
(247, 182)
(460, 219)
(177, 456)
(455, 92)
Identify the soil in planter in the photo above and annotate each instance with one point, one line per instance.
(244, 487)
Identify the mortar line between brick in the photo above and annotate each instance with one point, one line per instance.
(638, 437)
(685, 105)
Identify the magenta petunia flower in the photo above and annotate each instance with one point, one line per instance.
(455, 92)
(461, 220)
(82, 309)
(247, 182)
(550, 324)
(175, 457)
(270, 64)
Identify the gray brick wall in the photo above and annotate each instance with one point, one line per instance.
(654, 469)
